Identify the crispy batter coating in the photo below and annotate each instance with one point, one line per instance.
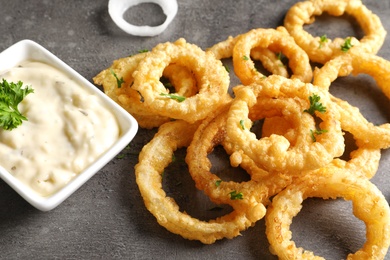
(330, 182)
(125, 95)
(269, 59)
(304, 12)
(211, 77)
(276, 152)
(354, 63)
(153, 159)
(276, 41)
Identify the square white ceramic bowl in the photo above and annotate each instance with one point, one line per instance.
(29, 50)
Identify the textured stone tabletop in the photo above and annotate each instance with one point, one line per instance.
(106, 217)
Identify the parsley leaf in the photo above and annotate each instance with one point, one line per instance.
(217, 183)
(315, 105)
(119, 81)
(323, 39)
(173, 96)
(316, 132)
(11, 94)
(280, 57)
(347, 45)
(234, 195)
(242, 124)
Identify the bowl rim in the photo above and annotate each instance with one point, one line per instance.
(29, 50)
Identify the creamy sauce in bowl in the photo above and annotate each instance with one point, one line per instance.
(68, 128)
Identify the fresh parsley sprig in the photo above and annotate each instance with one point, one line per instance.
(315, 105)
(11, 94)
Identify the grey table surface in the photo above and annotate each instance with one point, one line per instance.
(106, 217)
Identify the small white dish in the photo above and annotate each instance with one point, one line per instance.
(29, 50)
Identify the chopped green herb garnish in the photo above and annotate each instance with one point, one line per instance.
(173, 96)
(234, 195)
(242, 124)
(316, 132)
(218, 182)
(347, 45)
(280, 55)
(11, 94)
(315, 105)
(142, 51)
(323, 39)
(119, 81)
(245, 57)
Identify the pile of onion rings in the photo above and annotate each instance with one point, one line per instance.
(184, 91)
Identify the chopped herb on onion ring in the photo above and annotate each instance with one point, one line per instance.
(242, 124)
(323, 39)
(347, 45)
(119, 81)
(313, 133)
(315, 105)
(173, 96)
(234, 195)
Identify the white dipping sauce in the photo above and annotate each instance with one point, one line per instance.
(68, 128)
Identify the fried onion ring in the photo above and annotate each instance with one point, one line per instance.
(126, 96)
(268, 58)
(368, 202)
(153, 159)
(211, 77)
(275, 152)
(276, 41)
(255, 192)
(181, 79)
(304, 13)
(363, 160)
(358, 63)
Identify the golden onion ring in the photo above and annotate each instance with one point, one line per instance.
(268, 58)
(304, 12)
(276, 41)
(362, 160)
(356, 62)
(130, 99)
(211, 77)
(255, 192)
(368, 202)
(153, 159)
(275, 153)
